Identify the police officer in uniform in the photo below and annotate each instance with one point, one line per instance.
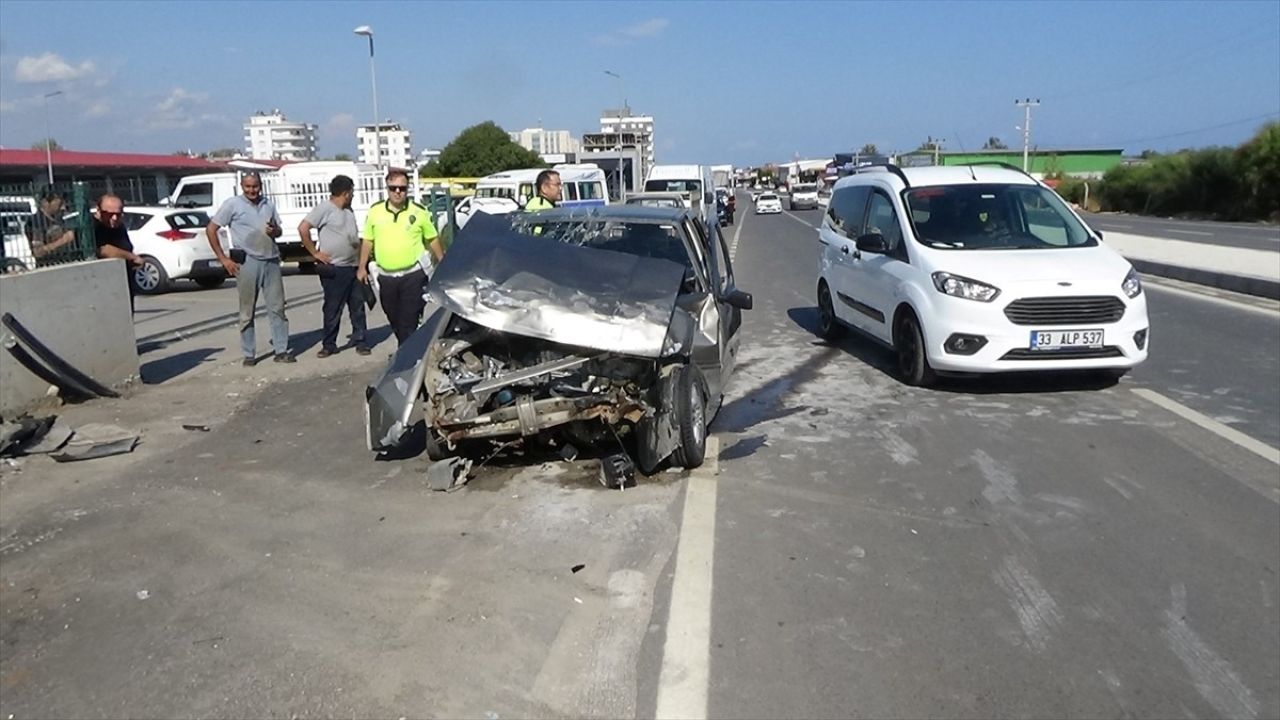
(396, 232)
(548, 196)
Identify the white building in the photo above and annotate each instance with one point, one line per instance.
(270, 136)
(546, 142)
(397, 148)
(622, 121)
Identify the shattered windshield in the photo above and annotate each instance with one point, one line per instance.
(663, 241)
(993, 217)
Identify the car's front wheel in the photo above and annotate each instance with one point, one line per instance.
(828, 326)
(691, 417)
(150, 278)
(210, 282)
(913, 361)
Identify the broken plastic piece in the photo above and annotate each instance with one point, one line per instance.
(198, 428)
(57, 436)
(576, 569)
(96, 441)
(617, 471)
(448, 474)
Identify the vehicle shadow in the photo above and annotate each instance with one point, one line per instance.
(883, 359)
(165, 369)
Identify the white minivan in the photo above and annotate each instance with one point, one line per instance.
(692, 181)
(975, 269)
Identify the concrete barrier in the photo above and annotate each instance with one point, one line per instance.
(81, 311)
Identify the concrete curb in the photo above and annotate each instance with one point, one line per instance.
(156, 341)
(1261, 287)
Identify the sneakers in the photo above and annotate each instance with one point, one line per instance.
(249, 362)
(284, 358)
(325, 352)
(362, 350)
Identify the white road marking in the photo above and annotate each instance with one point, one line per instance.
(1189, 232)
(1271, 307)
(686, 655)
(800, 220)
(1257, 447)
(1214, 678)
(737, 233)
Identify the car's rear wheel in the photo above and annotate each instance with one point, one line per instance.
(150, 278)
(913, 362)
(209, 283)
(691, 416)
(828, 326)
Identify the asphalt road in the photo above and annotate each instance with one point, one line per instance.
(1009, 547)
(1258, 236)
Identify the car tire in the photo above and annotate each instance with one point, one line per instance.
(691, 417)
(913, 361)
(436, 450)
(828, 325)
(1110, 376)
(209, 283)
(306, 268)
(149, 278)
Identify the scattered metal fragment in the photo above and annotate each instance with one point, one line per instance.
(96, 440)
(57, 436)
(143, 594)
(448, 474)
(576, 569)
(194, 427)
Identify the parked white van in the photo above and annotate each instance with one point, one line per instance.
(582, 185)
(692, 181)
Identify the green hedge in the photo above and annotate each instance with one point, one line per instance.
(1221, 183)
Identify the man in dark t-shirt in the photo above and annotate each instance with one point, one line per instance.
(112, 238)
(47, 232)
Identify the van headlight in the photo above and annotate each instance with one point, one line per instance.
(963, 287)
(1132, 284)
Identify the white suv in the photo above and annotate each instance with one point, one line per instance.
(975, 269)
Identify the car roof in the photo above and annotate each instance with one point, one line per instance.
(940, 175)
(638, 213)
(654, 195)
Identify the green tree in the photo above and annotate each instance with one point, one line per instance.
(342, 157)
(1259, 164)
(994, 143)
(482, 150)
(930, 144)
(869, 149)
(39, 145)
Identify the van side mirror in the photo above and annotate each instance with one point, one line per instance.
(739, 299)
(709, 197)
(873, 243)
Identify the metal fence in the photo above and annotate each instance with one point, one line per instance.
(39, 232)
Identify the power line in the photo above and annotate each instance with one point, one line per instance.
(1241, 121)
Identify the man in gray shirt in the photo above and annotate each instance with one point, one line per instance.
(338, 257)
(253, 223)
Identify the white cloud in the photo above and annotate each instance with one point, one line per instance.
(339, 122)
(631, 33)
(181, 110)
(97, 108)
(50, 67)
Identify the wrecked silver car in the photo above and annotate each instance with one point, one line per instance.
(616, 324)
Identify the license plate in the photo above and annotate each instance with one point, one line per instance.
(1056, 339)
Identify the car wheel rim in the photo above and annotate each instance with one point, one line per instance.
(698, 413)
(147, 277)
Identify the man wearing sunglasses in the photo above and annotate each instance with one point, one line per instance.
(397, 232)
(112, 238)
(253, 223)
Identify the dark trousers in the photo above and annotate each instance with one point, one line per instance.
(401, 299)
(341, 289)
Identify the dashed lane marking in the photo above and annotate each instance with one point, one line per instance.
(686, 654)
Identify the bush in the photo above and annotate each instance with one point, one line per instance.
(1215, 182)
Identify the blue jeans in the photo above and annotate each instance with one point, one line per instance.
(262, 277)
(341, 290)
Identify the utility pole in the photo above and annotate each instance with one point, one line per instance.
(48, 143)
(373, 77)
(937, 146)
(622, 184)
(1026, 105)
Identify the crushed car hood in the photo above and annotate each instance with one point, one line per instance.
(541, 288)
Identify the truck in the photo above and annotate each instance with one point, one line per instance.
(722, 176)
(295, 189)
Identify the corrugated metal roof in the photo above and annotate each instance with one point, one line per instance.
(76, 158)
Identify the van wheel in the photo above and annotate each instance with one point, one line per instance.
(691, 416)
(828, 326)
(149, 278)
(913, 362)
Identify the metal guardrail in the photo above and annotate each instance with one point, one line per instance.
(26, 229)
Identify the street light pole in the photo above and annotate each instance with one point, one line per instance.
(622, 185)
(373, 77)
(48, 142)
(1026, 127)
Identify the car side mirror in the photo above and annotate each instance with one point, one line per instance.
(873, 243)
(739, 299)
(709, 197)
(1098, 233)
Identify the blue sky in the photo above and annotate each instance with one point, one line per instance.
(745, 83)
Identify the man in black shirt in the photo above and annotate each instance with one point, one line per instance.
(112, 238)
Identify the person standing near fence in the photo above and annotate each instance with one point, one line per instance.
(112, 238)
(47, 231)
(337, 254)
(253, 224)
(398, 232)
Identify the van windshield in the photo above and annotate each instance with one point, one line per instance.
(994, 217)
(804, 188)
(689, 187)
